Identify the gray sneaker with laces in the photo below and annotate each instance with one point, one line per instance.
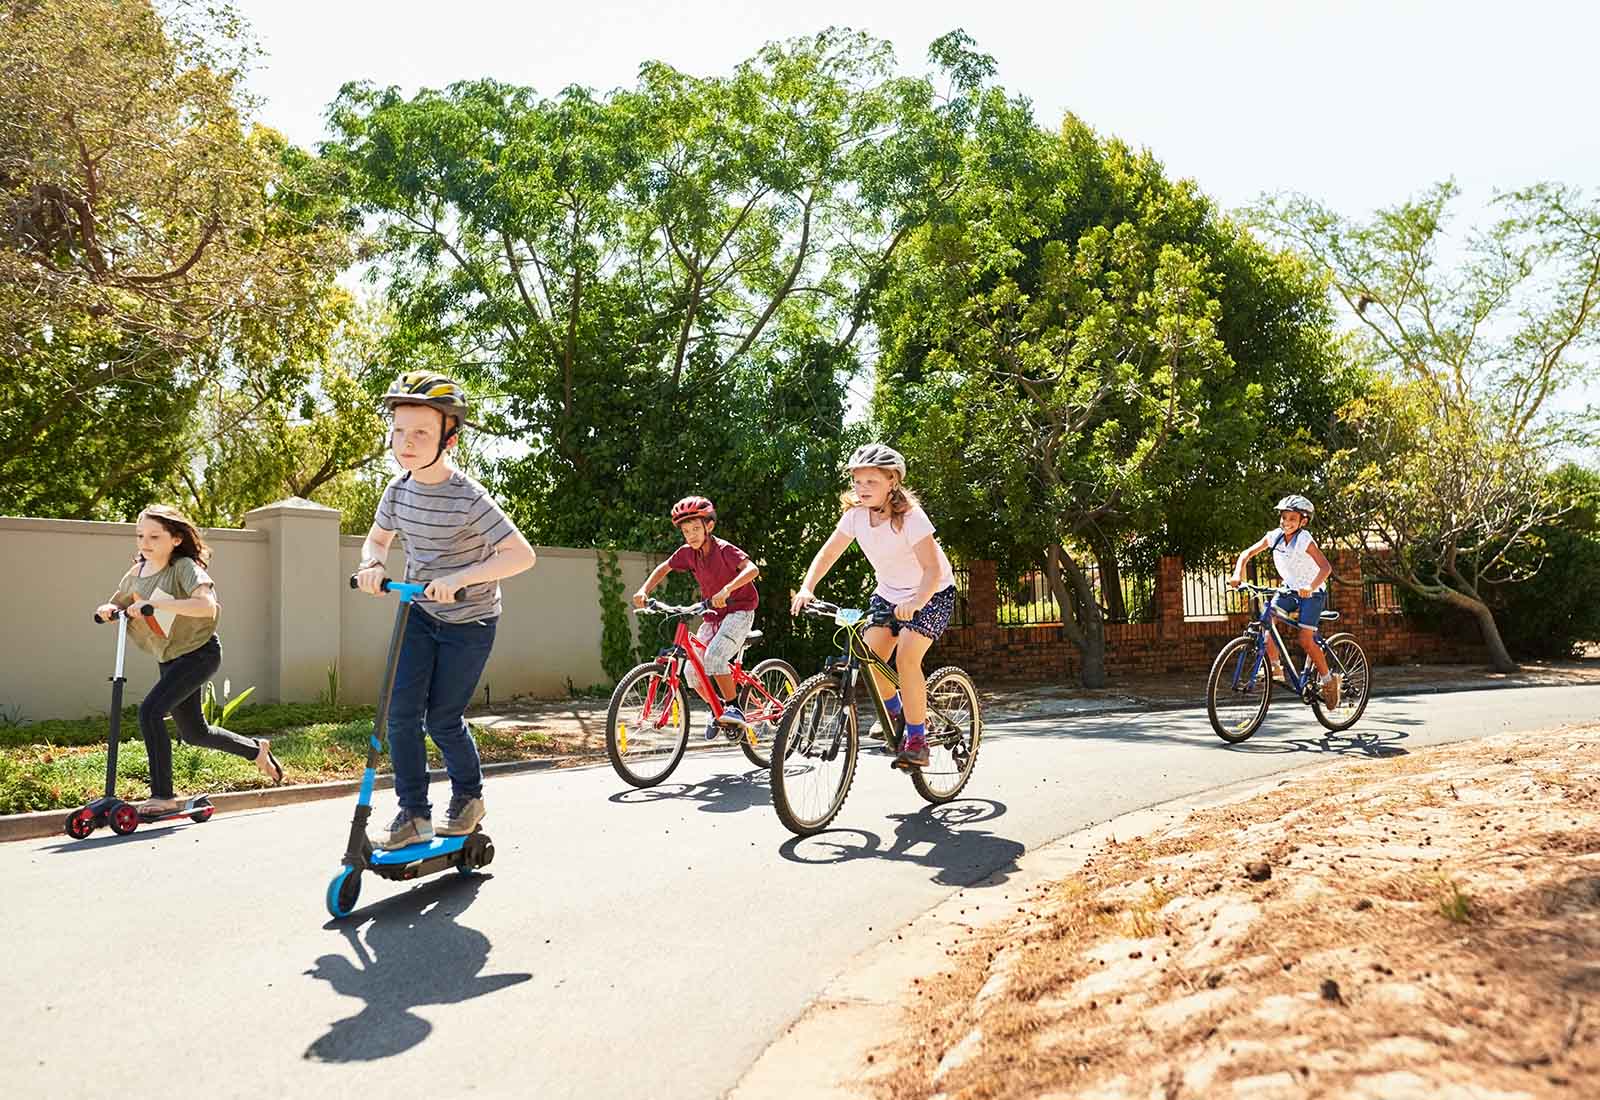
(406, 828)
(464, 815)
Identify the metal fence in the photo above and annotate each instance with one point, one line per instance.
(1206, 595)
(1382, 597)
(1031, 603)
(962, 616)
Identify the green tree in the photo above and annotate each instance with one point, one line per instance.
(660, 291)
(152, 241)
(1547, 614)
(1441, 481)
(1082, 351)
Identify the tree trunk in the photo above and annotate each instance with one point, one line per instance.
(1088, 631)
(1110, 577)
(1499, 656)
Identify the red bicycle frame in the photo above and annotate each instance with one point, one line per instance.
(685, 646)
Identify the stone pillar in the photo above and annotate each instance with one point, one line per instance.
(1349, 591)
(983, 603)
(1169, 595)
(303, 616)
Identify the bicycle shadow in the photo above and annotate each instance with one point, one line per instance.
(415, 953)
(1372, 743)
(960, 855)
(716, 794)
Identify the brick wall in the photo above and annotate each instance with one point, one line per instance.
(1172, 646)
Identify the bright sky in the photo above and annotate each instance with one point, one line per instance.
(1359, 103)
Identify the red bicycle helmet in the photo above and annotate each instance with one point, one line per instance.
(693, 508)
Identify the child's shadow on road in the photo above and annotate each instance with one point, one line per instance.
(414, 953)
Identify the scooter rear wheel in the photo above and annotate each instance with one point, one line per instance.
(80, 823)
(124, 819)
(343, 892)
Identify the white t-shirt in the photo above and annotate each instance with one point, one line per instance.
(1292, 557)
(893, 553)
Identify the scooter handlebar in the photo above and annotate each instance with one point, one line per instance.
(401, 586)
(122, 613)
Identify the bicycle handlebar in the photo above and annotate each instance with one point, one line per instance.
(403, 586)
(660, 608)
(122, 613)
(825, 610)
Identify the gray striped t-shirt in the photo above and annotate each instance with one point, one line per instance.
(446, 527)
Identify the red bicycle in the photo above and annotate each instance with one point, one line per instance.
(647, 723)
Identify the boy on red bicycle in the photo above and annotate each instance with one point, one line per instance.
(726, 576)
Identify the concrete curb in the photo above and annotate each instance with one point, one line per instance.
(51, 822)
(824, 1053)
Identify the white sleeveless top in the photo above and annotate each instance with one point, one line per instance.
(1292, 557)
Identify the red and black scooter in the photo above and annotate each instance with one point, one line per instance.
(124, 817)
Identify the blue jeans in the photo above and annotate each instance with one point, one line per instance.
(436, 675)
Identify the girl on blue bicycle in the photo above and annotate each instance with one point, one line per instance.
(916, 590)
(1302, 567)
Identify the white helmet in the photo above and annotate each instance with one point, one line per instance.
(1294, 502)
(880, 455)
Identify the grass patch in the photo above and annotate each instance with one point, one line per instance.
(262, 720)
(57, 777)
(1455, 904)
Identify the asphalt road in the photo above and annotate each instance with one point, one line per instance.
(624, 943)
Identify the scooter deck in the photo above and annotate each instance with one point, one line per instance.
(411, 853)
(197, 805)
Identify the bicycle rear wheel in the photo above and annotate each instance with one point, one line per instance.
(1349, 660)
(813, 756)
(1238, 690)
(764, 709)
(647, 726)
(955, 727)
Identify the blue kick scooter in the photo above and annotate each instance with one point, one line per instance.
(465, 853)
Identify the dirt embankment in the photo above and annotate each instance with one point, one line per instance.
(1418, 927)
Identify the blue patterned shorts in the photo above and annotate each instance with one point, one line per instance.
(932, 621)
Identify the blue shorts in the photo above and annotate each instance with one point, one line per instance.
(930, 622)
(1308, 609)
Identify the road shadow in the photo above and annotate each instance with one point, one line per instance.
(940, 837)
(414, 953)
(1168, 727)
(153, 830)
(1376, 743)
(717, 794)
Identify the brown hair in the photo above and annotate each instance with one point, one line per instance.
(181, 527)
(901, 500)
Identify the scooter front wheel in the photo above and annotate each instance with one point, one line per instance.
(80, 823)
(343, 892)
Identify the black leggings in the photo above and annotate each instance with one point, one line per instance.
(178, 693)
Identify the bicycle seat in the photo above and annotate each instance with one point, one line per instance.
(1329, 616)
(753, 636)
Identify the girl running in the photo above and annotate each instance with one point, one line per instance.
(181, 634)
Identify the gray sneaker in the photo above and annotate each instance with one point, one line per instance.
(464, 815)
(405, 829)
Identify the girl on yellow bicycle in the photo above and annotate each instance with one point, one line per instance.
(916, 585)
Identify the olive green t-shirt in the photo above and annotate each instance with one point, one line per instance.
(185, 633)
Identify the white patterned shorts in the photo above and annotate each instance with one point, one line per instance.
(724, 639)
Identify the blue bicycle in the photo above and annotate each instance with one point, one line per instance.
(1239, 688)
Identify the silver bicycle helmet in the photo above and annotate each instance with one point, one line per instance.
(1294, 502)
(879, 455)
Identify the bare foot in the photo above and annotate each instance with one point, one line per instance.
(267, 763)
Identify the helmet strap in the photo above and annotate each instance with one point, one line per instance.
(445, 436)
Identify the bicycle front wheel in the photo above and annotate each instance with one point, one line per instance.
(955, 727)
(647, 726)
(1238, 690)
(763, 704)
(1348, 660)
(813, 756)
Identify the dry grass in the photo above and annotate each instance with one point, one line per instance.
(1430, 929)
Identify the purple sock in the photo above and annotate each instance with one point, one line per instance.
(916, 732)
(893, 705)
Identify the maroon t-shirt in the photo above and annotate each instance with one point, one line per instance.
(714, 565)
